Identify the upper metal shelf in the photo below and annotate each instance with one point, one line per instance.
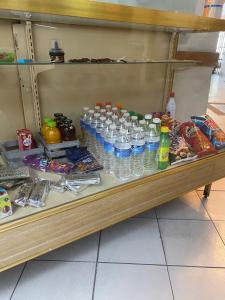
(105, 14)
(163, 61)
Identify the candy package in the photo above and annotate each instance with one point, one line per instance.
(87, 164)
(60, 167)
(77, 153)
(83, 179)
(179, 150)
(198, 142)
(39, 193)
(8, 173)
(22, 193)
(211, 130)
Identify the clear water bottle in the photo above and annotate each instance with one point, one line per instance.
(109, 115)
(103, 111)
(115, 119)
(148, 120)
(109, 142)
(88, 128)
(152, 139)
(103, 135)
(122, 154)
(142, 124)
(99, 138)
(138, 150)
(108, 107)
(94, 125)
(115, 111)
(134, 121)
(120, 124)
(83, 124)
(126, 116)
(129, 128)
(97, 109)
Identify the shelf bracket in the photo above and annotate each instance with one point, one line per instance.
(24, 48)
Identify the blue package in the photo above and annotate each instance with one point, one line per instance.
(77, 153)
(24, 60)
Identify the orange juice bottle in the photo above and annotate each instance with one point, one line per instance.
(45, 126)
(53, 135)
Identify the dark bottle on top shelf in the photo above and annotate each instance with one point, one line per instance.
(68, 131)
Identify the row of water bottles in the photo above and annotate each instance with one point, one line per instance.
(123, 145)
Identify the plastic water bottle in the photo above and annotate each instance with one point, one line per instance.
(120, 124)
(126, 116)
(122, 154)
(148, 120)
(88, 127)
(109, 115)
(138, 149)
(94, 125)
(108, 107)
(103, 135)
(83, 124)
(171, 106)
(99, 138)
(152, 139)
(115, 111)
(103, 111)
(142, 124)
(109, 142)
(134, 121)
(97, 109)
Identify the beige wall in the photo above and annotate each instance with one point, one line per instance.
(68, 88)
(11, 112)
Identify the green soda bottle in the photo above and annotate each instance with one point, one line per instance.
(164, 148)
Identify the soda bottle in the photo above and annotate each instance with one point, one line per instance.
(164, 148)
(138, 149)
(109, 142)
(122, 154)
(152, 139)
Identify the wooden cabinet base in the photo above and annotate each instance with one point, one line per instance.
(33, 237)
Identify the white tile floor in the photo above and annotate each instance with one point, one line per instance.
(176, 251)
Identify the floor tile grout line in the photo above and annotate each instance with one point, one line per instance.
(69, 261)
(203, 203)
(159, 265)
(164, 251)
(96, 266)
(18, 281)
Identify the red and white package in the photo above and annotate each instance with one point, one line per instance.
(25, 139)
(196, 139)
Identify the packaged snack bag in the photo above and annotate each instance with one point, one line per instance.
(25, 139)
(179, 150)
(211, 130)
(5, 204)
(196, 139)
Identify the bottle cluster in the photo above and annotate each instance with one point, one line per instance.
(125, 143)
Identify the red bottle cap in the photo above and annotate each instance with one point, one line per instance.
(99, 104)
(172, 94)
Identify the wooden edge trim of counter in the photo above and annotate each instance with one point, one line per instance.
(114, 190)
(116, 13)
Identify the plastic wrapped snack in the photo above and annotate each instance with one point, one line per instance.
(179, 150)
(87, 164)
(7, 173)
(82, 179)
(39, 193)
(211, 130)
(198, 142)
(22, 193)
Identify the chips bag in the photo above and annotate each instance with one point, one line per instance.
(211, 130)
(196, 139)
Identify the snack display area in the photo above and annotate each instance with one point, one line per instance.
(66, 217)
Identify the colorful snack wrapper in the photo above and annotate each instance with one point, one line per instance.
(198, 142)
(5, 204)
(179, 150)
(211, 130)
(87, 164)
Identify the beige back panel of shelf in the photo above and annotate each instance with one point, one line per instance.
(11, 110)
(69, 88)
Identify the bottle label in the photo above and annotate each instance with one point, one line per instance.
(152, 146)
(164, 154)
(82, 124)
(122, 153)
(136, 150)
(99, 138)
(92, 131)
(108, 147)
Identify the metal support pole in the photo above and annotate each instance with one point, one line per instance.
(207, 190)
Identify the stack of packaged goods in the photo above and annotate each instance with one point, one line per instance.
(128, 144)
